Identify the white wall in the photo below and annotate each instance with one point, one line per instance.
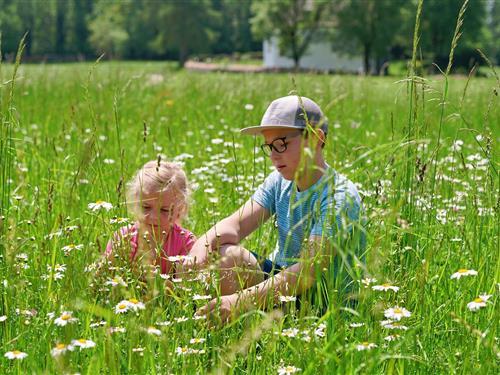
(319, 56)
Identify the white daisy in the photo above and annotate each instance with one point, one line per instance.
(181, 319)
(320, 331)
(69, 248)
(182, 350)
(60, 349)
(122, 307)
(179, 258)
(98, 324)
(83, 343)
(100, 205)
(290, 332)
(463, 272)
(385, 287)
(248, 107)
(3, 318)
(356, 325)
(116, 281)
(165, 323)
(138, 350)
(59, 268)
(197, 340)
(288, 298)
(365, 346)
(65, 318)
(286, 370)
(15, 354)
(396, 313)
(392, 337)
(367, 281)
(478, 302)
(153, 331)
(389, 324)
(117, 330)
(198, 297)
(135, 305)
(119, 220)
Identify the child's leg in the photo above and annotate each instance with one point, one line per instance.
(239, 269)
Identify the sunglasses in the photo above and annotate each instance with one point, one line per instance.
(279, 145)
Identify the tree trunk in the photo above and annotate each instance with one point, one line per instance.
(183, 55)
(296, 61)
(366, 58)
(60, 12)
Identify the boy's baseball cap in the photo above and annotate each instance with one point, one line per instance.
(288, 113)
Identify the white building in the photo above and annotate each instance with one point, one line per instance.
(319, 56)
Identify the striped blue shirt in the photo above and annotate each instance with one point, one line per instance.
(331, 205)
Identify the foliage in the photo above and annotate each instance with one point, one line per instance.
(295, 23)
(142, 29)
(107, 29)
(438, 23)
(185, 26)
(373, 27)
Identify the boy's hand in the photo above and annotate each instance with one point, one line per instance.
(222, 310)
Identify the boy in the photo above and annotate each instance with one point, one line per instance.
(312, 204)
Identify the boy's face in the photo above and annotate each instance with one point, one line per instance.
(287, 162)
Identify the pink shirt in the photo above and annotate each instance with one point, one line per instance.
(179, 242)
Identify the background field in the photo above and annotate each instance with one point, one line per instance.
(427, 168)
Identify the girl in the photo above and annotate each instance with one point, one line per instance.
(158, 197)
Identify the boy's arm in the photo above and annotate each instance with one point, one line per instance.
(292, 281)
(230, 230)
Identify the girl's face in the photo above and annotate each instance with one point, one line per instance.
(160, 211)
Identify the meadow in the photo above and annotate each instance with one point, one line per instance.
(422, 152)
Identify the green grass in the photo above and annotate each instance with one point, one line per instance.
(66, 122)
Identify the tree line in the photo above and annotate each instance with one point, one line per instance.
(378, 30)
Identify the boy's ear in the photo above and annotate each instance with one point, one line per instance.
(320, 136)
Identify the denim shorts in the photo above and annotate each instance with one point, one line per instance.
(315, 296)
(267, 266)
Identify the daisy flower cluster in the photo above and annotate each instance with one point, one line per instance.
(478, 302)
(392, 314)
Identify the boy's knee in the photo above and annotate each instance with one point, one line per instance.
(230, 255)
(235, 255)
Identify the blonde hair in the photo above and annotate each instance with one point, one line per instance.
(158, 177)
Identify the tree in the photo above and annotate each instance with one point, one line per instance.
(61, 11)
(80, 18)
(294, 22)
(26, 11)
(234, 32)
(11, 26)
(439, 18)
(494, 27)
(107, 32)
(187, 26)
(369, 26)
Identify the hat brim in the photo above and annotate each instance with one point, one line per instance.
(257, 130)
